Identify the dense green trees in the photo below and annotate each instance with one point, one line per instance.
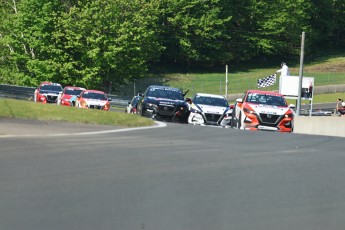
(101, 44)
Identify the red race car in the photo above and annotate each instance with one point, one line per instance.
(47, 92)
(69, 95)
(263, 110)
(93, 99)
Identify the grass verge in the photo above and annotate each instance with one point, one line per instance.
(11, 108)
(328, 71)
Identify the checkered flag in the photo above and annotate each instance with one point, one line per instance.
(267, 81)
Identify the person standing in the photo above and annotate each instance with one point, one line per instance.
(284, 71)
(340, 107)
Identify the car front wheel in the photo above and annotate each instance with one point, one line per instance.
(142, 111)
(239, 121)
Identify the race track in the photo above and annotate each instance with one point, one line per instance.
(178, 177)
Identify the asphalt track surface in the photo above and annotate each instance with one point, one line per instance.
(178, 177)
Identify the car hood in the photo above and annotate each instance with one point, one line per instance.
(211, 109)
(269, 109)
(66, 96)
(95, 102)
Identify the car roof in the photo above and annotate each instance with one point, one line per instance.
(265, 92)
(49, 83)
(209, 95)
(74, 87)
(93, 91)
(163, 87)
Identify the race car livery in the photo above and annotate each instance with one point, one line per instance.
(93, 99)
(69, 95)
(263, 110)
(210, 109)
(161, 102)
(47, 92)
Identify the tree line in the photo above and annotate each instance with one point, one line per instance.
(102, 43)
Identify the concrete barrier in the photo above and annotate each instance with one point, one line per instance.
(320, 125)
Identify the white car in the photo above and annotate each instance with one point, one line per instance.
(132, 105)
(210, 109)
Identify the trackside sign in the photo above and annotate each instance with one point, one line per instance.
(288, 86)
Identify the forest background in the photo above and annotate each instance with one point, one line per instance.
(107, 44)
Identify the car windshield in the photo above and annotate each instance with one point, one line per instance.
(214, 101)
(55, 88)
(168, 93)
(73, 91)
(266, 99)
(91, 95)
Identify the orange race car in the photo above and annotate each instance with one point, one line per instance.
(93, 99)
(263, 110)
(69, 95)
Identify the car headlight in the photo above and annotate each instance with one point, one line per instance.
(288, 115)
(151, 105)
(247, 110)
(227, 115)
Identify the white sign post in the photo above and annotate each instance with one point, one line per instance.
(288, 86)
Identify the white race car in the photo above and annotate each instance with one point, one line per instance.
(210, 109)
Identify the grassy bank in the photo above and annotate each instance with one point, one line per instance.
(11, 108)
(327, 71)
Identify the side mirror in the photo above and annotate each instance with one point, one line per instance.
(232, 106)
(141, 95)
(184, 94)
(239, 100)
(109, 99)
(292, 106)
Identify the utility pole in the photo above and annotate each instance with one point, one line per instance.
(134, 87)
(300, 76)
(226, 82)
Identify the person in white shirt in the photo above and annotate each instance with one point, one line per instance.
(284, 71)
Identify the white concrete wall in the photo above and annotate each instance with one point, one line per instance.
(320, 125)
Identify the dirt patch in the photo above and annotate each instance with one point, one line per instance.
(330, 68)
(333, 65)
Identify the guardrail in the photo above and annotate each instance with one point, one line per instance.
(17, 92)
(118, 101)
(27, 93)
